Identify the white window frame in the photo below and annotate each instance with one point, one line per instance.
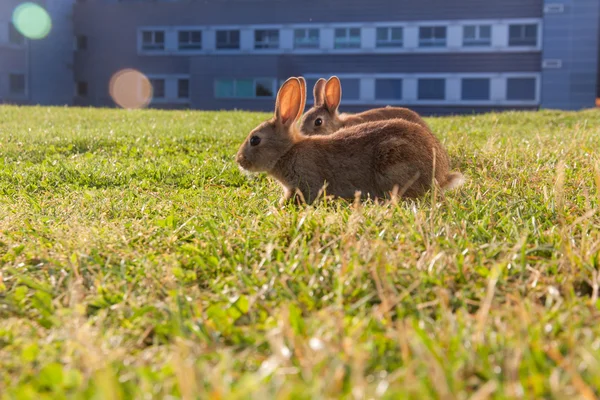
(477, 41)
(171, 89)
(433, 39)
(228, 29)
(390, 43)
(347, 37)
(153, 32)
(305, 44)
(274, 88)
(368, 39)
(498, 85)
(269, 43)
(189, 46)
(537, 38)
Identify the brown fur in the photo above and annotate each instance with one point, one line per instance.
(327, 98)
(374, 158)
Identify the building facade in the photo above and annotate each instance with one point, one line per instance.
(435, 56)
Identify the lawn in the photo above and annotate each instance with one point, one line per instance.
(137, 261)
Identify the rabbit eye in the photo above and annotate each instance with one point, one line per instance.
(318, 122)
(254, 141)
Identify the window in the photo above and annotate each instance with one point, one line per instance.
(14, 36)
(153, 40)
(225, 88)
(432, 36)
(520, 89)
(81, 42)
(266, 39)
(263, 88)
(432, 89)
(228, 40)
(190, 40)
(475, 89)
(306, 38)
(158, 88)
(477, 35)
(347, 38)
(388, 89)
(82, 89)
(245, 88)
(351, 89)
(183, 88)
(17, 83)
(522, 35)
(390, 37)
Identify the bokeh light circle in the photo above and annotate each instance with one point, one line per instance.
(32, 21)
(130, 89)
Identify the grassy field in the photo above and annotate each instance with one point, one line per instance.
(137, 261)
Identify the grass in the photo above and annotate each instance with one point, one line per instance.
(137, 261)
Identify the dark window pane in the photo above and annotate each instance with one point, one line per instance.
(388, 89)
(82, 89)
(382, 33)
(196, 36)
(530, 31)
(485, 31)
(432, 89)
(313, 33)
(183, 88)
(159, 37)
(340, 33)
(522, 35)
(158, 88)
(425, 33)
(299, 34)
(228, 39)
(351, 89)
(17, 83)
(355, 32)
(264, 88)
(469, 32)
(397, 34)
(184, 37)
(440, 32)
(520, 89)
(476, 89)
(147, 37)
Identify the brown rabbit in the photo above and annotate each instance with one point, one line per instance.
(374, 158)
(324, 119)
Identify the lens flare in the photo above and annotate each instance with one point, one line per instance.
(130, 89)
(32, 21)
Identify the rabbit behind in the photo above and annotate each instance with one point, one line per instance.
(374, 158)
(324, 119)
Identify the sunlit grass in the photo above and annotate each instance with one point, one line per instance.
(137, 261)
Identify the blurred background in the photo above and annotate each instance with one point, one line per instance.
(434, 56)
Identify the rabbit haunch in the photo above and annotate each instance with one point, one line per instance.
(374, 158)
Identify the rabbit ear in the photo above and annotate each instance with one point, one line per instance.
(319, 92)
(288, 104)
(303, 100)
(333, 94)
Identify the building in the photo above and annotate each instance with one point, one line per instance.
(435, 56)
(37, 71)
